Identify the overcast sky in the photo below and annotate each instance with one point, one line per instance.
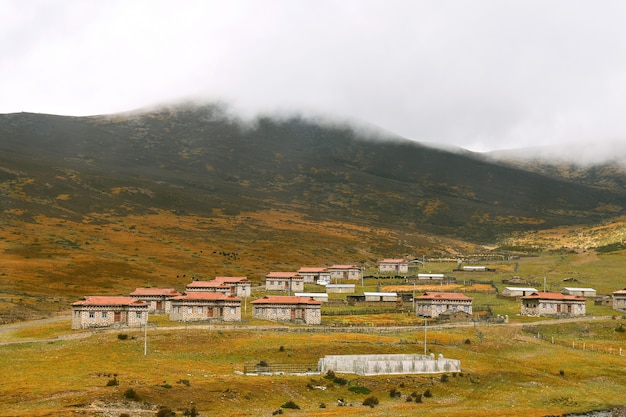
(481, 75)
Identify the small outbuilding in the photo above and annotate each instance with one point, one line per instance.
(380, 296)
(319, 296)
(517, 291)
(580, 292)
(340, 288)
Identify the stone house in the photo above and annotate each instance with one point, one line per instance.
(393, 266)
(319, 296)
(619, 300)
(350, 271)
(237, 286)
(205, 306)
(109, 311)
(288, 309)
(549, 304)
(159, 300)
(315, 275)
(431, 304)
(284, 281)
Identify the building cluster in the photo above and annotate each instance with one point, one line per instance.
(221, 299)
(218, 299)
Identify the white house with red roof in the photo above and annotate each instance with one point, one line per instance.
(432, 304)
(288, 308)
(393, 266)
(109, 311)
(348, 271)
(318, 275)
(238, 286)
(552, 304)
(205, 306)
(619, 300)
(158, 299)
(284, 281)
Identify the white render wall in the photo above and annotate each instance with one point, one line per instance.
(388, 364)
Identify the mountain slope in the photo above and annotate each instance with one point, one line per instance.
(198, 159)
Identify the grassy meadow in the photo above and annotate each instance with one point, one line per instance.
(201, 367)
(530, 367)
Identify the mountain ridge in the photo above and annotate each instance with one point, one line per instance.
(199, 158)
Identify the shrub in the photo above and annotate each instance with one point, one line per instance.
(184, 382)
(360, 390)
(122, 336)
(131, 394)
(468, 342)
(370, 401)
(418, 398)
(562, 372)
(165, 412)
(427, 393)
(409, 399)
(620, 329)
(291, 405)
(330, 374)
(444, 378)
(340, 381)
(394, 393)
(281, 349)
(113, 382)
(322, 405)
(279, 411)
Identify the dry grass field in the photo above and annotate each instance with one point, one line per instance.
(198, 367)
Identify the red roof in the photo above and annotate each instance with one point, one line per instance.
(155, 291)
(206, 296)
(109, 301)
(552, 296)
(293, 275)
(344, 267)
(284, 299)
(312, 269)
(207, 284)
(231, 279)
(620, 292)
(443, 296)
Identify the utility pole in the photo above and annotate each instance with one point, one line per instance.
(145, 336)
(425, 336)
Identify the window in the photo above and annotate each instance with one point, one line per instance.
(199, 310)
(104, 314)
(139, 315)
(274, 311)
(189, 310)
(92, 315)
(232, 310)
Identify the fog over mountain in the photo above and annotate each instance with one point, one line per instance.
(480, 75)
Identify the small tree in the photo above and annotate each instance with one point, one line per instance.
(131, 394)
(291, 405)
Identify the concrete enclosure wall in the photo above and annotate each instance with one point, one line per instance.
(388, 364)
